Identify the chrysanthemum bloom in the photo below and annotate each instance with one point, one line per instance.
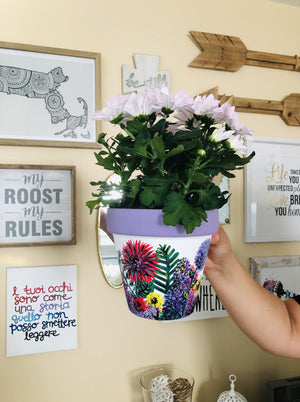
(221, 134)
(139, 104)
(172, 101)
(115, 107)
(205, 105)
(139, 261)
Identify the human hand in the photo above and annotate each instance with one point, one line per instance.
(219, 250)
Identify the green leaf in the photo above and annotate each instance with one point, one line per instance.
(199, 178)
(211, 197)
(158, 146)
(135, 126)
(108, 163)
(167, 261)
(144, 288)
(154, 191)
(178, 211)
(134, 188)
(92, 204)
(175, 151)
(101, 138)
(117, 119)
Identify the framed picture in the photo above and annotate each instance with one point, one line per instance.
(38, 205)
(272, 191)
(41, 306)
(279, 275)
(48, 96)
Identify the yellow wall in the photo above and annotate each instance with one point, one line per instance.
(115, 346)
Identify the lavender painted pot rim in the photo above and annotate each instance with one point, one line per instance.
(149, 222)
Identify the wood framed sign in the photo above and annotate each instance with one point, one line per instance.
(48, 96)
(38, 205)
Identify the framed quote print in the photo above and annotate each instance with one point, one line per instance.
(48, 96)
(37, 205)
(41, 312)
(272, 191)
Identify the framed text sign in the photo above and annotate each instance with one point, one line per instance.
(272, 191)
(48, 96)
(41, 309)
(37, 205)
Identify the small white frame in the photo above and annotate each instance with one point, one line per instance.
(284, 269)
(272, 191)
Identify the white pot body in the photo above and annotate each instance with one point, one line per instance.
(161, 273)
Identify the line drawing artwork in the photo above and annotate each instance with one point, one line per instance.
(40, 85)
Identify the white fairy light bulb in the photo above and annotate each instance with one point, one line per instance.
(232, 395)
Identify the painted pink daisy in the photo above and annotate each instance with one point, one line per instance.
(139, 261)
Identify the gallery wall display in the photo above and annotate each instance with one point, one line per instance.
(288, 109)
(41, 309)
(280, 275)
(48, 96)
(272, 191)
(228, 53)
(38, 205)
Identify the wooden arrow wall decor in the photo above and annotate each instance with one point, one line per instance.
(228, 53)
(288, 109)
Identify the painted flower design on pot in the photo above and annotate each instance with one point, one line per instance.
(158, 283)
(139, 261)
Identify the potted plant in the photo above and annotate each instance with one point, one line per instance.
(170, 148)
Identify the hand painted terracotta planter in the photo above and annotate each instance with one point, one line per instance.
(161, 265)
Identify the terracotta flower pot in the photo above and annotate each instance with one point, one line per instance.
(161, 265)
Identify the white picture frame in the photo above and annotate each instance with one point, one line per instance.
(48, 96)
(280, 275)
(41, 309)
(272, 191)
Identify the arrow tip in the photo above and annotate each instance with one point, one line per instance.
(213, 91)
(219, 52)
